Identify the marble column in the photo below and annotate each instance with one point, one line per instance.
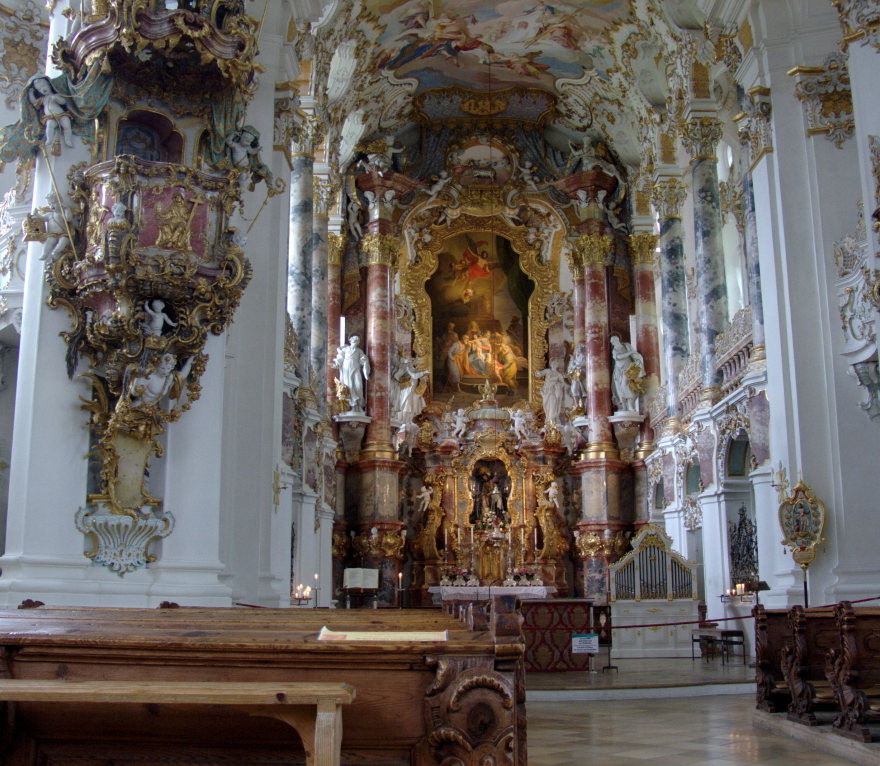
(335, 249)
(700, 136)
(753, 272)
(575, 265)
(668, 196)
(379, 250)
(300, 254)
(595, 251)
(642, 247)
(318, 342)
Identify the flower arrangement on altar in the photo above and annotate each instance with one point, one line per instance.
(523, 575)
(492, 523)
(456, 575)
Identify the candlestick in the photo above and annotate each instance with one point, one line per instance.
(445, 535)
(536, 539)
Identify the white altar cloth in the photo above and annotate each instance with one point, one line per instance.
(485, 592)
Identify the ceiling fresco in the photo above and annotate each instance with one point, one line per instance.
(475, 44)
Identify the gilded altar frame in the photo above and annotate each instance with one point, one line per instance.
(485, 213)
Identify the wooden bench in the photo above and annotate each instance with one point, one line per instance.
(416, 702)
(771, 632)
(853, 670)
(314, 710)
(802, 658)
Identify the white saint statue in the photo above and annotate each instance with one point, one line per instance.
(629, 369)
(354, 372)
(553, 391)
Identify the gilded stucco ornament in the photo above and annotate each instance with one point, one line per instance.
(826, 96)
(860, 20)
(22, 41)
(154, 271)
(753, 124)
(700, 136)
(668, 196)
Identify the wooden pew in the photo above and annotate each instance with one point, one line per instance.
(812, 634)
(853, 670)
(314, 710)
(771, 632)
(416, 703)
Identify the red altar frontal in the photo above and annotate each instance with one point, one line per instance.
(548, 626)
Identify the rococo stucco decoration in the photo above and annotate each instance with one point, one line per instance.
(141, 252)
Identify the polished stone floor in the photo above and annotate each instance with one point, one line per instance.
(693, 719)
(690, 731)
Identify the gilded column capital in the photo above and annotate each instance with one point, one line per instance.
(305, 135)
(667, 196)
(825, 94)
(380, 249)
(335, 248)
(753, 123)
(642, 245)
(860, 20)
(700, 136)
(594, 249)
(324, 194)
(733, 202)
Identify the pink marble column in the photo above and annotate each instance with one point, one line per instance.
(595, 251)
(642, 247)
(379, 339)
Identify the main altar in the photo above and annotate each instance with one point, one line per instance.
(492, 515)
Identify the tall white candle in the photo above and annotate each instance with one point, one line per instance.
(341, 330)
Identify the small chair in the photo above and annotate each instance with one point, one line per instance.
(730, 639)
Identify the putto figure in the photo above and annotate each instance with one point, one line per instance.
(354, 372)
(52, 108)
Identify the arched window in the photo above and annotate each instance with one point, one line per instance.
(659, 496)
(692, 479)
(738, 457)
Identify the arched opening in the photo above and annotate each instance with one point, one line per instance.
(150, 136)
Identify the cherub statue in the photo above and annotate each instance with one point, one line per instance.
(520, 424)
(461, 424)
(443, 180)
(156, 318)
(52, 108)
(527, 173)
(154, 384)
(380, 155)
(423, 498)
(57, 220)
(244, 151)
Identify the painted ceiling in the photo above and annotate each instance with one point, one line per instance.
(475, 44)
(604, 68)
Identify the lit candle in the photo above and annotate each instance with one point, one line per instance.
(400, 580)
(316, 579)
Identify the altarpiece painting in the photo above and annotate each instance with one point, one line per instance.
(479, 306)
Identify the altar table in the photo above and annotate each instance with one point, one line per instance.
(486, 592)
